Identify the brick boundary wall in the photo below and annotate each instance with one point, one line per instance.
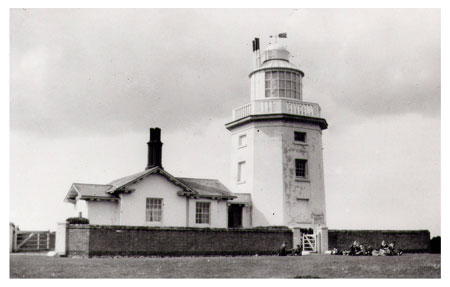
(411, 241)
(98, 240)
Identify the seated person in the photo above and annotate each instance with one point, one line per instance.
(298, 250)
(394, 250)
(283, 249)
(361, 250)
(369, 250)
(354, 249)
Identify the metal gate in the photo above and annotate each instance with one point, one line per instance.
(309, 242)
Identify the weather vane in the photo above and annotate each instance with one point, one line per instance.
(280, 35)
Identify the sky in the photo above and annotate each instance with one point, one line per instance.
(86, 85)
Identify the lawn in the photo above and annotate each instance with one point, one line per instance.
(312, 266)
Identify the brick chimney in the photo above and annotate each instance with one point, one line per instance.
(154, 148)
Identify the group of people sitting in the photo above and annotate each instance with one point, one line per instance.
(284, 251)
(358, 249)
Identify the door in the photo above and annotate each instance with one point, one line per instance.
(235, 216)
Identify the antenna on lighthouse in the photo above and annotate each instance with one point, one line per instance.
(256, 52)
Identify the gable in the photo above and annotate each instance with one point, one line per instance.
(123, 184)
(133, 205)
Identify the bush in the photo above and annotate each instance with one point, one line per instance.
(77, 220)
(435, 245)
(306, 231)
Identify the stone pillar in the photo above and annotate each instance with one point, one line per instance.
(60, 240)
(296, 236)
(12, 238)
(322, 239)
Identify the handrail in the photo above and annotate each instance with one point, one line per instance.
(277, 106)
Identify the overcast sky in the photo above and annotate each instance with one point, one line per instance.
(86, 85)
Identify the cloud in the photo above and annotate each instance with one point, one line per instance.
(77, 71)
(374, 62)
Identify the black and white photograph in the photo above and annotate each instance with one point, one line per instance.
(288, 143)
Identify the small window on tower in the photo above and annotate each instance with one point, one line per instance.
(241, 172)
(242, 141)
(300, 136)
(301, 167)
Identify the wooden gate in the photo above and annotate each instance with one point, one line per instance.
(309, 242)
(33, 241)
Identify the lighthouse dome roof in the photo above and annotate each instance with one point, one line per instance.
(276, 57)
(275, 52)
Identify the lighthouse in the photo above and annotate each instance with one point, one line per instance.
(276, 154)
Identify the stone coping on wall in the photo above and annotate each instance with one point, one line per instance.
(377, 231)
(274, 229)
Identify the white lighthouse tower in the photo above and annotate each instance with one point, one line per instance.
(277, 147)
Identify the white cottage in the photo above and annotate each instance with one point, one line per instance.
(154, 197)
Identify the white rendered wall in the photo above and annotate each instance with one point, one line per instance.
(239, 154)
(218, 213)
(80, 206)
(132, 205)
(246, 217)
(103, 212)
(311, 189)
(264, 172)
(278, 196)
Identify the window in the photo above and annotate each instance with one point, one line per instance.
(153, 210)
(283, 84)
(202, 212)
(300, 167)
(299, 136)
(242, 140)
(241, 171)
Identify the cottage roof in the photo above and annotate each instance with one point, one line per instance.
(195, 187)
(243, 198)
(208, 187)
(88, 190)
(123, 181)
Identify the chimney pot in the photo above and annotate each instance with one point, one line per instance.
(154, 149)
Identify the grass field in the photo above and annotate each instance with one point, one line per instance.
(312, 266)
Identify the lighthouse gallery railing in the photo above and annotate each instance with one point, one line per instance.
(277, 106)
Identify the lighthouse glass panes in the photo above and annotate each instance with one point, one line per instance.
(202, 212)
(283, 84)
(153, 209)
